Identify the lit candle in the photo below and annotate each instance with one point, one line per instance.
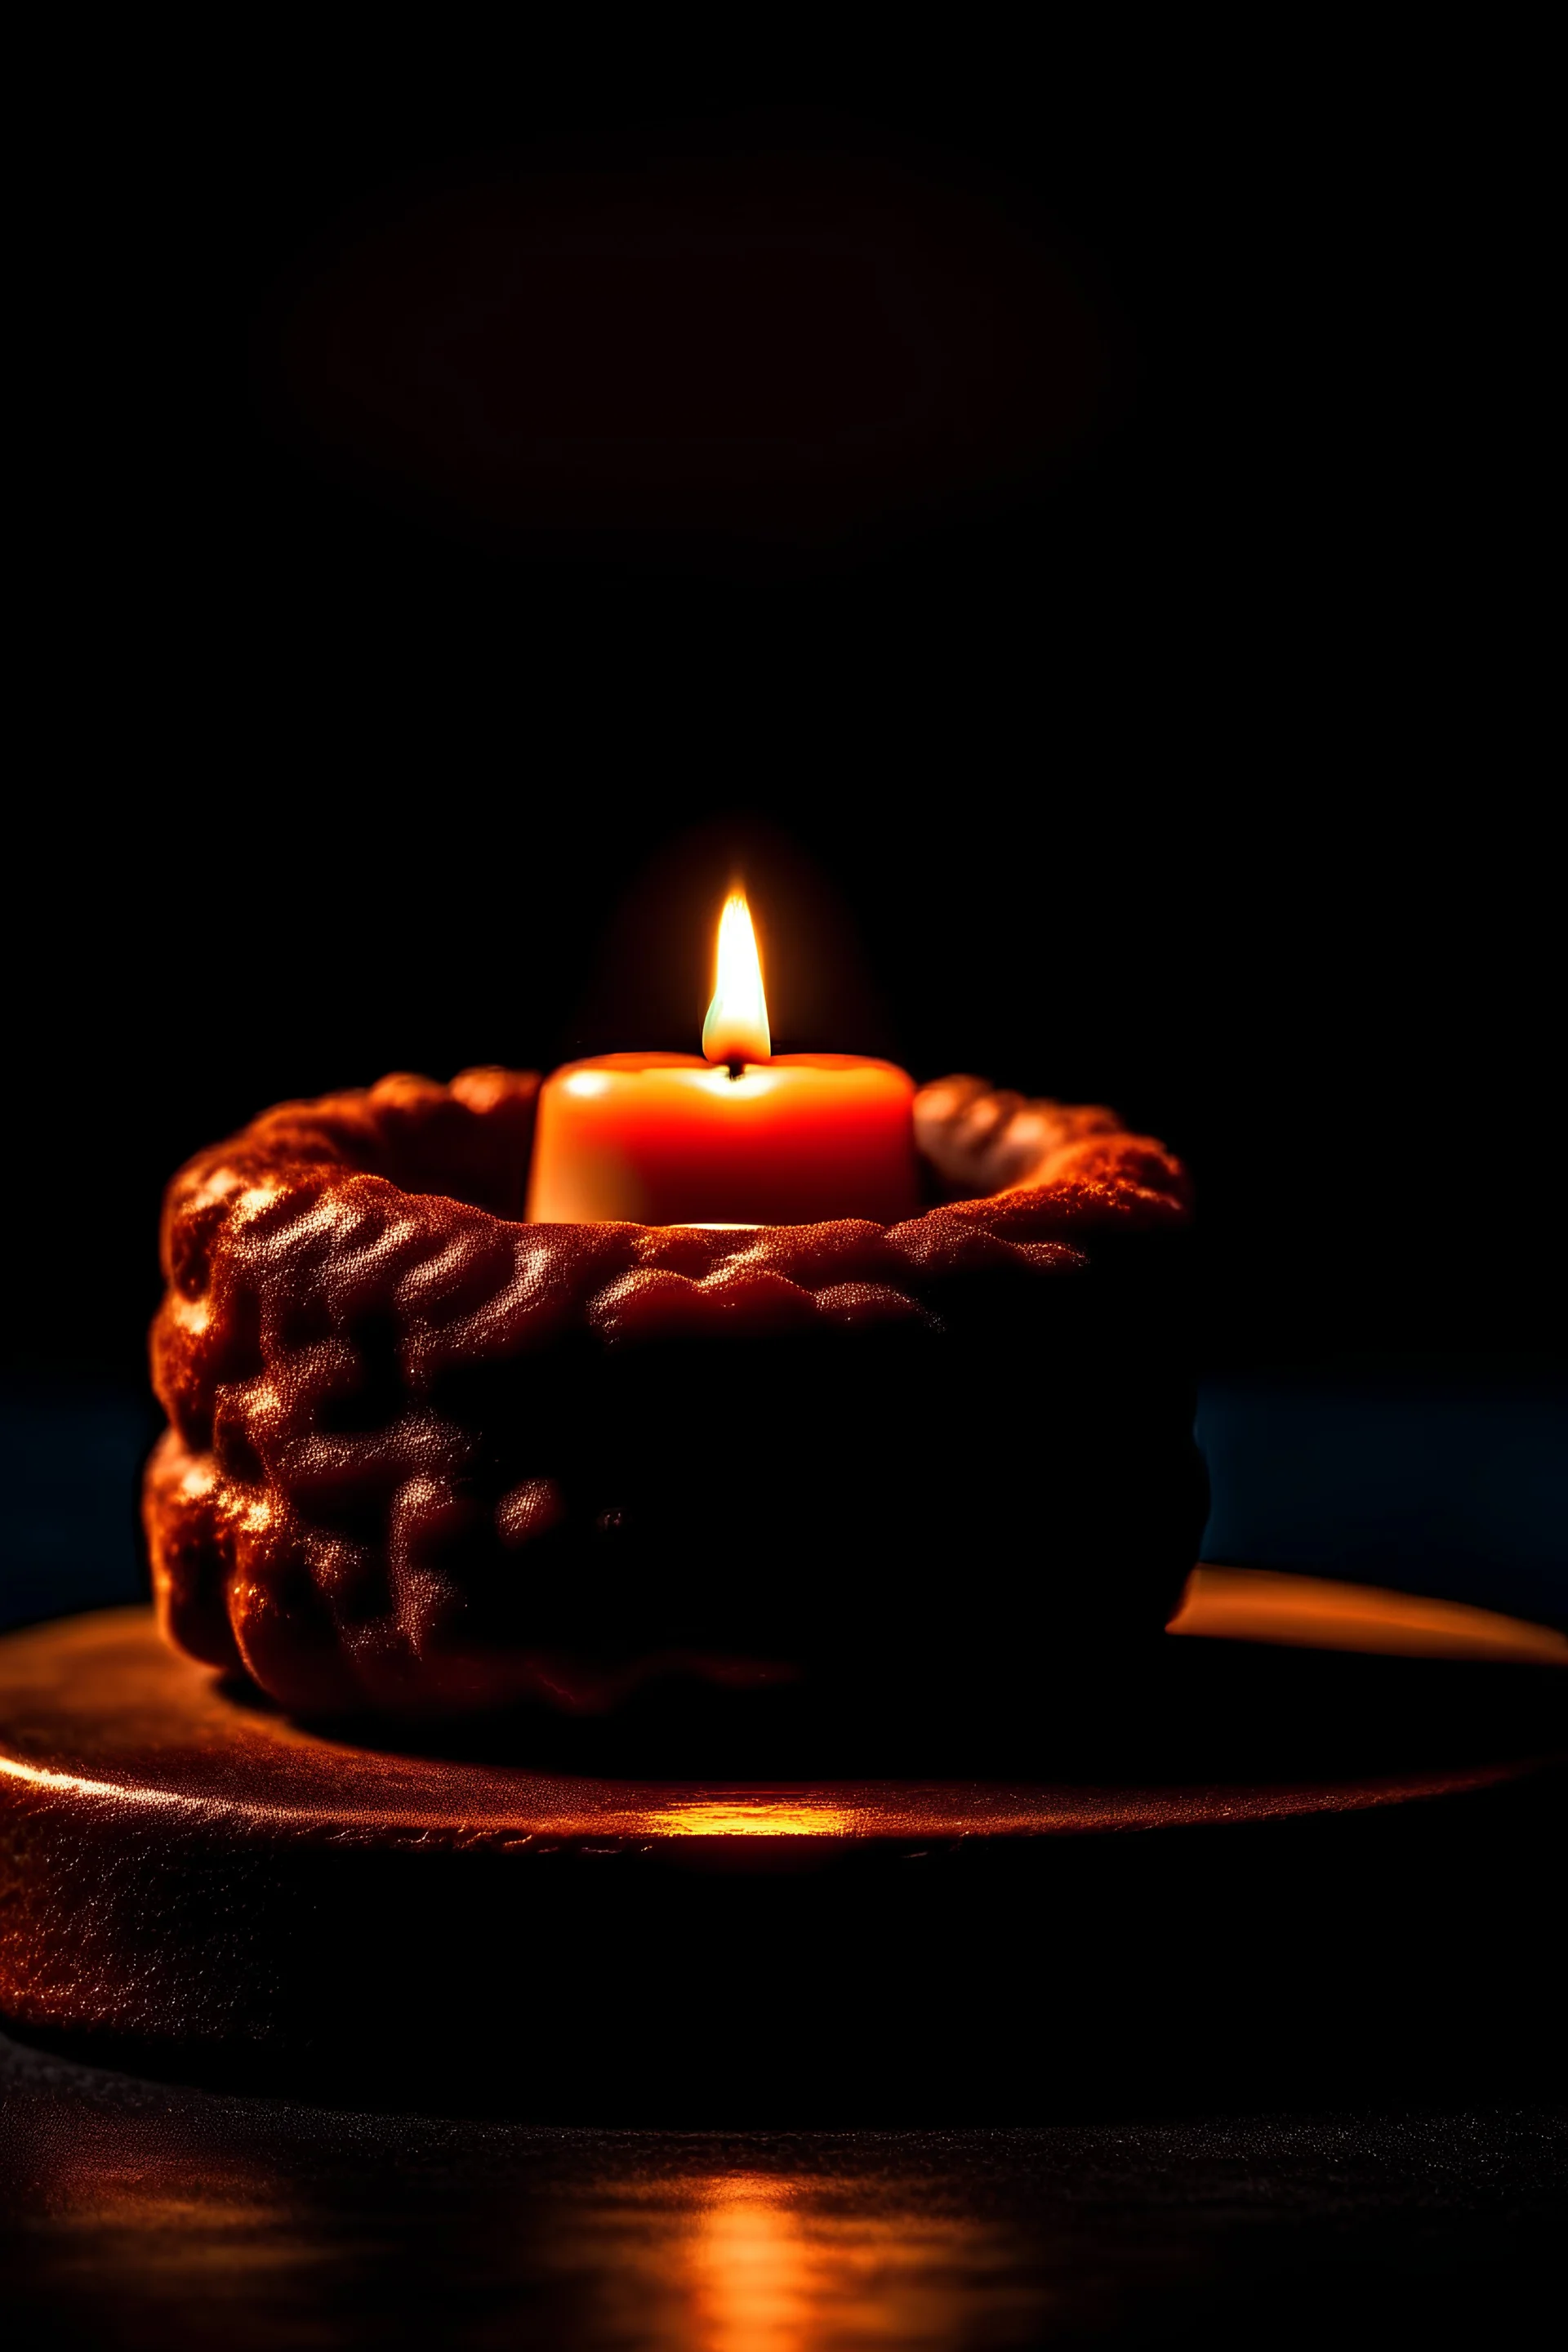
(737, 1137)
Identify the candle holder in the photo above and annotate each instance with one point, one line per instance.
(427, 1461)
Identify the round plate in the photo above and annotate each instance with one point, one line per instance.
(195, 1882)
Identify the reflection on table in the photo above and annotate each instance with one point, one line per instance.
(138, 2215)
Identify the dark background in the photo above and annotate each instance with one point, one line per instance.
(1150, 721)
(1181, 747)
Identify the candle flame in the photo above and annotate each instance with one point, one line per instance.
(736, 1029)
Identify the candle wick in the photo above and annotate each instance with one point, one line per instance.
(736, 1068)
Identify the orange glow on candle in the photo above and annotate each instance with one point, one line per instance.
(741, 1137)
(736, 1029)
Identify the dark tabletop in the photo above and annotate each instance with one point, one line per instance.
(140, 2215)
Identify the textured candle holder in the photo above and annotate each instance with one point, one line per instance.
(427, 1459)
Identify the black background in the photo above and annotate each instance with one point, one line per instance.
(1194, 770)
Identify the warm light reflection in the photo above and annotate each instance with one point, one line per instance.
(736, 1029)
(179, 2224)
(762, 1817)
(1315, 1612)
(256, 1197)
(751, 2269)
(174, 2213)
(758, 2261)
(777, 2264)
